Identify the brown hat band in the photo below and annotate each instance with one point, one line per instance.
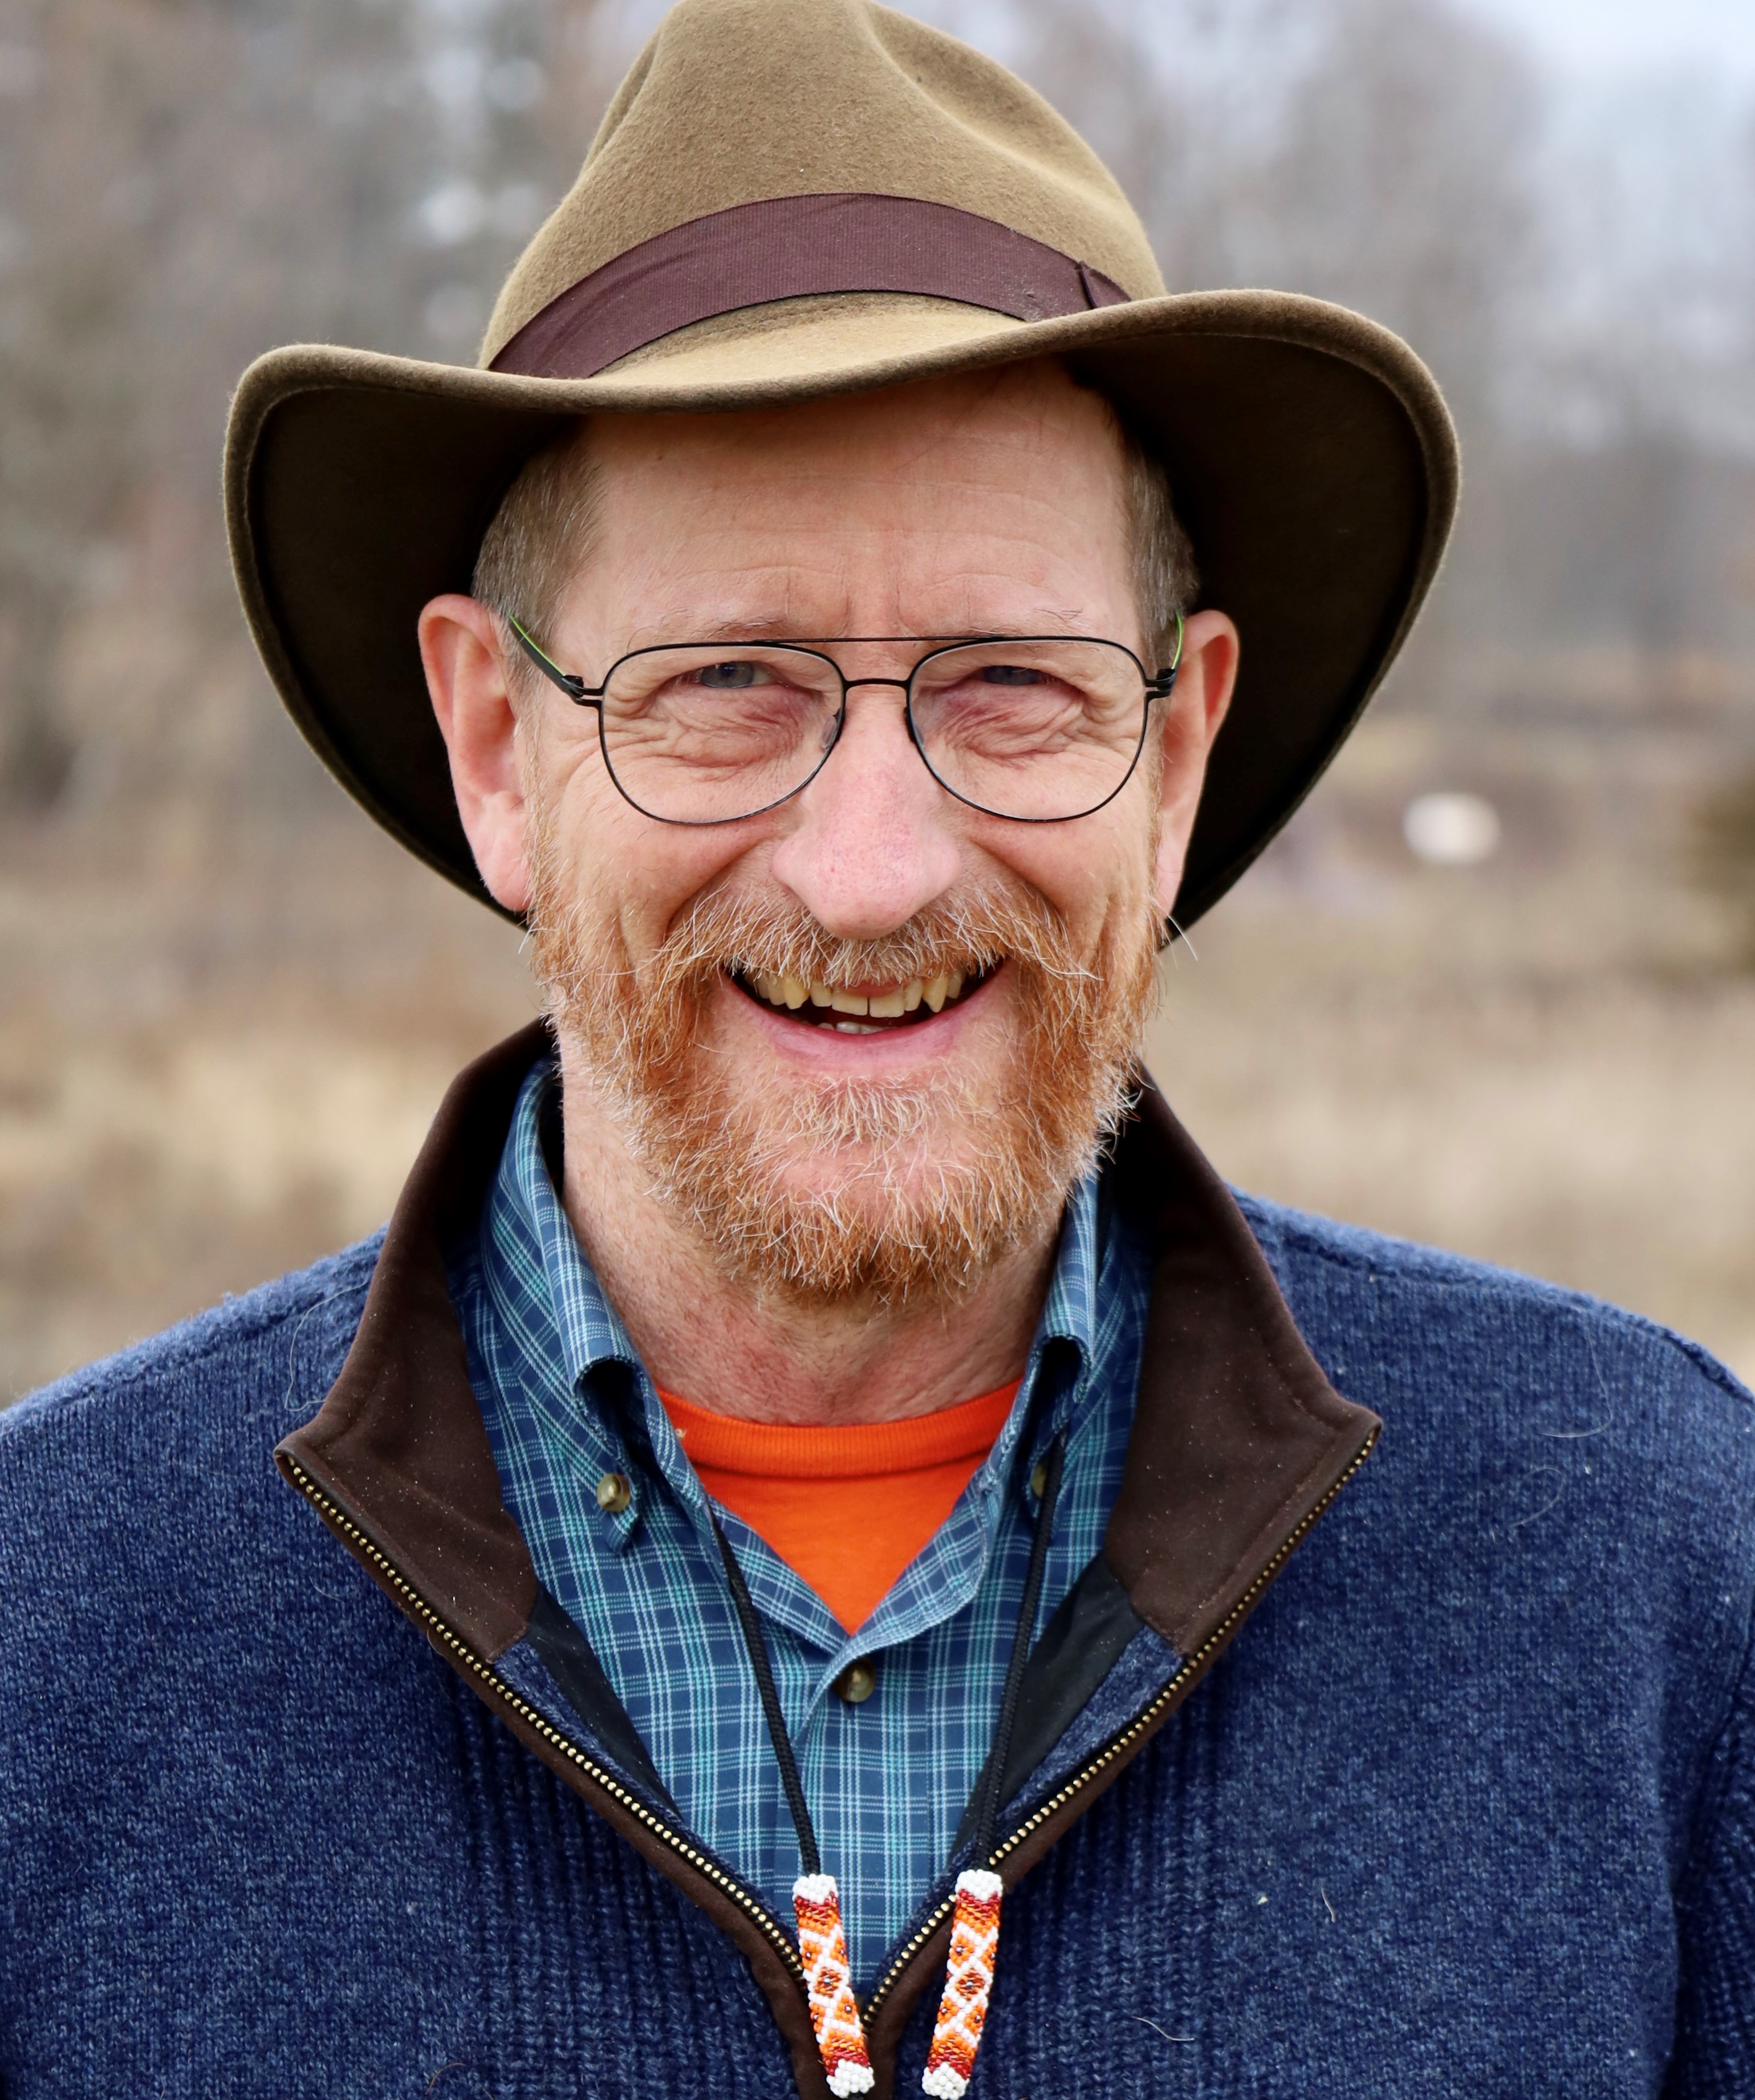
(789, 248)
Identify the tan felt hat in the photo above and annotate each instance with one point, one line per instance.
(790, 199)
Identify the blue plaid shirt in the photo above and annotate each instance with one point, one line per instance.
(565, 1400)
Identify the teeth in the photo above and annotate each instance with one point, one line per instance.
(780, 990)
(853, 1028)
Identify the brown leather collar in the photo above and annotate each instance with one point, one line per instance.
(1239, 1441)
(399, 1442)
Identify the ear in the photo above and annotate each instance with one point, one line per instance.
(1205, 679)
(466, 675)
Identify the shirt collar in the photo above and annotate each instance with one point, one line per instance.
(566, 1327)
(588, 1332)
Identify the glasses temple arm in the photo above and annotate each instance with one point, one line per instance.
(1162, 683)
(574, 687)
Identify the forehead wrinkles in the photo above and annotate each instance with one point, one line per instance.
(1026, 437)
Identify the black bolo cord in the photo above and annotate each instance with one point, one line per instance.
(987, 1787)
(757, 1648)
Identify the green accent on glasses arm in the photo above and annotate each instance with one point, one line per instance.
(1161, 682)
(575, 688)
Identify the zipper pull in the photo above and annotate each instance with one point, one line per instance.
(834, 2009)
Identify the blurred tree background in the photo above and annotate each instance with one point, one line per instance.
(1493, 987)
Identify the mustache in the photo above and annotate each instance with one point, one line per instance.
(973, 929)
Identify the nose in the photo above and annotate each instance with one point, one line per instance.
(871, 840)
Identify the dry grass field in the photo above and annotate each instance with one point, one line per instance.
(216, 1070)
(1548, 1062)
(217, 1059)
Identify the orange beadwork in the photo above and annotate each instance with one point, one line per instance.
(968, 1984)
(834, 2009)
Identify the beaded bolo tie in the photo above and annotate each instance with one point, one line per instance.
(816, 1899)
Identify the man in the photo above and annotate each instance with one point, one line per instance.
(856, 1543)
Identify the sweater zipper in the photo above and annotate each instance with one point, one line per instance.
(418, 1609)
(1129, 1735)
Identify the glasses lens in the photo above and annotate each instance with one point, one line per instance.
(702, 735)
(1039, 730)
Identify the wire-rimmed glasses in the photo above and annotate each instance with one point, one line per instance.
(1037, 728)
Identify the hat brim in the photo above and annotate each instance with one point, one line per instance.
(1309, 451)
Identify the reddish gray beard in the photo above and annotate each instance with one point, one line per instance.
(931, 1182)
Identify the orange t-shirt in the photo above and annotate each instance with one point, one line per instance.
(847, 1509)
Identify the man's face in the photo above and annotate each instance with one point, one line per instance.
(819, 1149)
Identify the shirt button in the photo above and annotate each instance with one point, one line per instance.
(857, 1682)
(1039, 1479)
(614, 1491)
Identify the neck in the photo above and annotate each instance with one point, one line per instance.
(715, 1339)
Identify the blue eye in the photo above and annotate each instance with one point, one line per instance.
(734, 677)
(1010, 674)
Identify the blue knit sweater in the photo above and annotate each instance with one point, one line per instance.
(1467, 1806)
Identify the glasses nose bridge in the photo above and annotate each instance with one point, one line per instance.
(905, 687)
(901, 684)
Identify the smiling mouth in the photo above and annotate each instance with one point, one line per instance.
(867, 1010)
